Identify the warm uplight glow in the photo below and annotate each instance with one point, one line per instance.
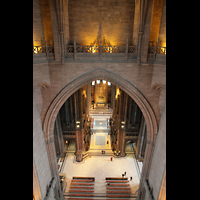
(117, 93)
(110, 49)
(109, 83)
(164, 50)
(35, 51)
(104, 82)
(78, 126)
(98, 81)
(93, 82)
(92, 49)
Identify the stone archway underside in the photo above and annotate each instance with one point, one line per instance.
(126, 86)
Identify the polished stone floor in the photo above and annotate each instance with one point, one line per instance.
(101, 167)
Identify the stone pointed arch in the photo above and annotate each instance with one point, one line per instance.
(127, 87)
(115, 79)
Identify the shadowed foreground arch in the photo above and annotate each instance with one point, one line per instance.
(127, 87)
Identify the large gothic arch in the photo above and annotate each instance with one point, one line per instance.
(127, 87)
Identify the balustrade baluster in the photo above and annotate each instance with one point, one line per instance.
(47, 53)
(74, 49)
(127, 49)
(155, 50)
(100, 50)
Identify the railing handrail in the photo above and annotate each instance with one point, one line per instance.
(100, 49)
(159, 50)
(42, 49)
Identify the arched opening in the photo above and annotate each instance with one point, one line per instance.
(70, 145)
(130, 146)
(126, 86)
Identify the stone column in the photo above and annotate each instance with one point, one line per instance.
(71, 112)
(122, 117)
(55, 29)
(142, 23)
(113, 96)
(66, 22)
(146, 30)
(67, 112)
(79, 130)
(60, 136)
(141, 139)
(88, 89)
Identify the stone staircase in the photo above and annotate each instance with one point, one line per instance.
(98, 152)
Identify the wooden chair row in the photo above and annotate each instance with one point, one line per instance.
(117, 192)
(117, 181)
(115, 178)
(82, 183)
(78, 187)
(82, 180)
(118, 195)
(79, 177)
(79, 198)
(82, 195)
(118, 188)
(112, 184)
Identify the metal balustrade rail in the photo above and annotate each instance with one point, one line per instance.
(157, 50)
(42, 49)
(103, 52)
(96, 49)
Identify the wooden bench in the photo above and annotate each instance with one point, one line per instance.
(117, 188)
(112, 184)
(82, 195)
(121, 192)
(79, 177)
(82, 180)
(80, 191)
(116, 181)
(118, 199)
(77, 187)
(118, 195)
(115, 178)
(79, 198)
(82, 183)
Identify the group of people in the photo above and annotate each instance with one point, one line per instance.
(124, 174)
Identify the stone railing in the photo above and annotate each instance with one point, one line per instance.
(97, 49)
(77, 51)
(157, 50)
(42, 49)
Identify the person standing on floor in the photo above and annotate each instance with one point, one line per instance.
(131, 178)
(124, 173)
